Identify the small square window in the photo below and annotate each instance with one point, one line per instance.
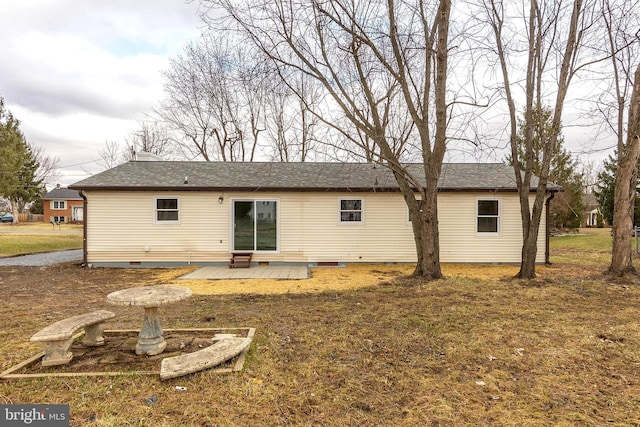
(167, 210)
(351, 211)
(488, 217)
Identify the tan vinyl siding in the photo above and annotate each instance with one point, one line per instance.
(459, 240)
(121, 228)
(382, 237)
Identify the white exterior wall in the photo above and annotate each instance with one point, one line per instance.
(121, 229)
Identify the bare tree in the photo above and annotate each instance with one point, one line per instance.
(351, 143)
(625, 191)
(215, 100)
(152, 138)
(621, 33)
(111, 155)
(290, 120)
(367, 55)
(553, 36)
(47, 165)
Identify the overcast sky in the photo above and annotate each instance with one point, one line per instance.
(77, 73)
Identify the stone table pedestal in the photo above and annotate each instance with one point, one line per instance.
(150, 339)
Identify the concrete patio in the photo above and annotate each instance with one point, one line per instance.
(291, 272)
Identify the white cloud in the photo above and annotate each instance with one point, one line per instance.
(79, 73)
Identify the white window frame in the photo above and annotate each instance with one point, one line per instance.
(255, 229)
(156, 210)
(498, 216)
(56, 205)
(74, 212)
(58, 219)
(340, 211)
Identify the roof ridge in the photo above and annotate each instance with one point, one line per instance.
(288, 176)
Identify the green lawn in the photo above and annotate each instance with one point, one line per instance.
(585, 241)
(587, 247)
(34, 238)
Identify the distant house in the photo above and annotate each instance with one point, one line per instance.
(591, 211)
(63, 205)
(180, 213)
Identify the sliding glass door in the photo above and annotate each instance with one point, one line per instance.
(255, 225)
(243, 226)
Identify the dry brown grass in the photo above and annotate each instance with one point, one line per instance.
(351, 277)
(477, 348)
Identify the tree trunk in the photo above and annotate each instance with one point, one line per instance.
(427, 238)
(531, 215)
(622, 230)
(529, 253)
(625, 191)
(15, 211)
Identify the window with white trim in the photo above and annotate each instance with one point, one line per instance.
(58, 204)
(255, 225)
(167, 210)
(488, 216)
(351, 211)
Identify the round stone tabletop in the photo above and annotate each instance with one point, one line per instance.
(149, 296)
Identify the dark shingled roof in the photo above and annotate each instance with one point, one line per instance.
(62, 194)
(271, 176)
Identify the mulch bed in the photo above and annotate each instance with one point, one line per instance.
(118, 354)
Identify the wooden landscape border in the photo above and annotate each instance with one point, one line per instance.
(237, 367)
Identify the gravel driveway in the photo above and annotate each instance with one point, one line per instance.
(46, 258)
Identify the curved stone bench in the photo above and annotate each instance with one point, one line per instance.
(57, 337)
(208, 357)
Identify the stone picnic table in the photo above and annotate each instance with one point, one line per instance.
(150, 339)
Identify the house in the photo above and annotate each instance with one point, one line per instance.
(63, 205)
(162, 213)
(591, 211)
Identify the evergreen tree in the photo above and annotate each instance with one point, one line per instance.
(10, 141)
(605, 190)
(18, 164)
(29, 187)
(567, 206)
